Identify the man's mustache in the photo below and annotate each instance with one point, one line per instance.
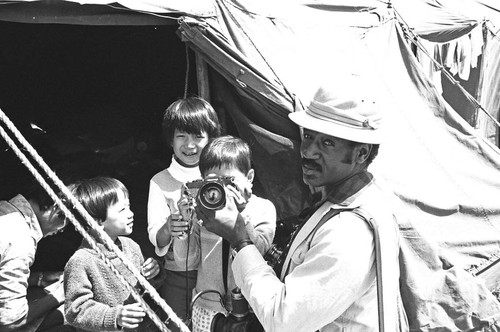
(311, 164)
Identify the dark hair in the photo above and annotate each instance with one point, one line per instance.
(97, 194)
(192, 115)
(35, 192)
(373, 154)
(226, 151)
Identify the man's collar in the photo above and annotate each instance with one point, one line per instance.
(346, 191)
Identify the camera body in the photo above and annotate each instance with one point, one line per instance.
(209, 192)
(240, 319)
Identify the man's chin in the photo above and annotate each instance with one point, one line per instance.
(311, 180)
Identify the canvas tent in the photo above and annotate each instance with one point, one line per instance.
(462, 36)
(259, 60)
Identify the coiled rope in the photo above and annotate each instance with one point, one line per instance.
(102, 236)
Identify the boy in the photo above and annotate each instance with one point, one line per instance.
(225, 156)
(188, 124)
(96, 299)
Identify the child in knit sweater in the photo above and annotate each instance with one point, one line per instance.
(96, 300)
(188, 123)
(225, 156)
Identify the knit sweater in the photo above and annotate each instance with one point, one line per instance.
(94, 294)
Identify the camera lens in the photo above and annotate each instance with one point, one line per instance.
(212, 196)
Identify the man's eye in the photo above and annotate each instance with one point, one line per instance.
(328, 143)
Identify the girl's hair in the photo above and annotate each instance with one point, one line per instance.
(226, 151)
(97, 194)
(192, 115)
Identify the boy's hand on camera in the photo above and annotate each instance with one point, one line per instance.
(150, 268)
(234, 193)
(130, 316)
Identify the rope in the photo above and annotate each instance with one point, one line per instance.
(103, 237)
(415, 40)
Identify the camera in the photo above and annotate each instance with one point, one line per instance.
(209, 192)
(240, 319)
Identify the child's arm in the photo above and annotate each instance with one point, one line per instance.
(158, 220)
(150, 268)
(261, 225)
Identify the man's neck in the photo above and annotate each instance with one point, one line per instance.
(340, 191)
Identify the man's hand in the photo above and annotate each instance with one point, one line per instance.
(130, 316)
(226, 222)
(150, 268)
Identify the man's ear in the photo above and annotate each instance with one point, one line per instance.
(250, 175)
(363, 152)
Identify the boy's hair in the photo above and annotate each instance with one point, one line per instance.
(192, 115)
(36, 193)
(226, 151)
(97, 194)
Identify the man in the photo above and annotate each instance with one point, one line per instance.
(328, 281)
(24, 220)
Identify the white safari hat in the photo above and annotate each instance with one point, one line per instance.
(344, 108)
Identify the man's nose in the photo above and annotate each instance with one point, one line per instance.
(308, 150)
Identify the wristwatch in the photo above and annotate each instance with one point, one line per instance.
(242, 244)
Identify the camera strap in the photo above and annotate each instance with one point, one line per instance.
(364, 215)
(378, 263)
(225, 258)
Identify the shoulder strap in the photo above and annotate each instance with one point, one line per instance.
(363, 214)
(378, 263)
(225, 258)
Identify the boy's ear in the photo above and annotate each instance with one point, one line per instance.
(250, 175)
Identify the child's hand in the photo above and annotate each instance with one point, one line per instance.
(239, 199)
(180, 227)
(186, 208)
(150, 268)
(130, 316)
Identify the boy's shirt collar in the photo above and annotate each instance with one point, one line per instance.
(185, 173)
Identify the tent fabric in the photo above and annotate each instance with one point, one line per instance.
(435, 147)
(251, 57)
(65, 12)
(266, 63)
(489, 93)
(445, 24)
(445, 176)
(434, 21)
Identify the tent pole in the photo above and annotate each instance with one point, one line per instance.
(204, 88)
(202, 77)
